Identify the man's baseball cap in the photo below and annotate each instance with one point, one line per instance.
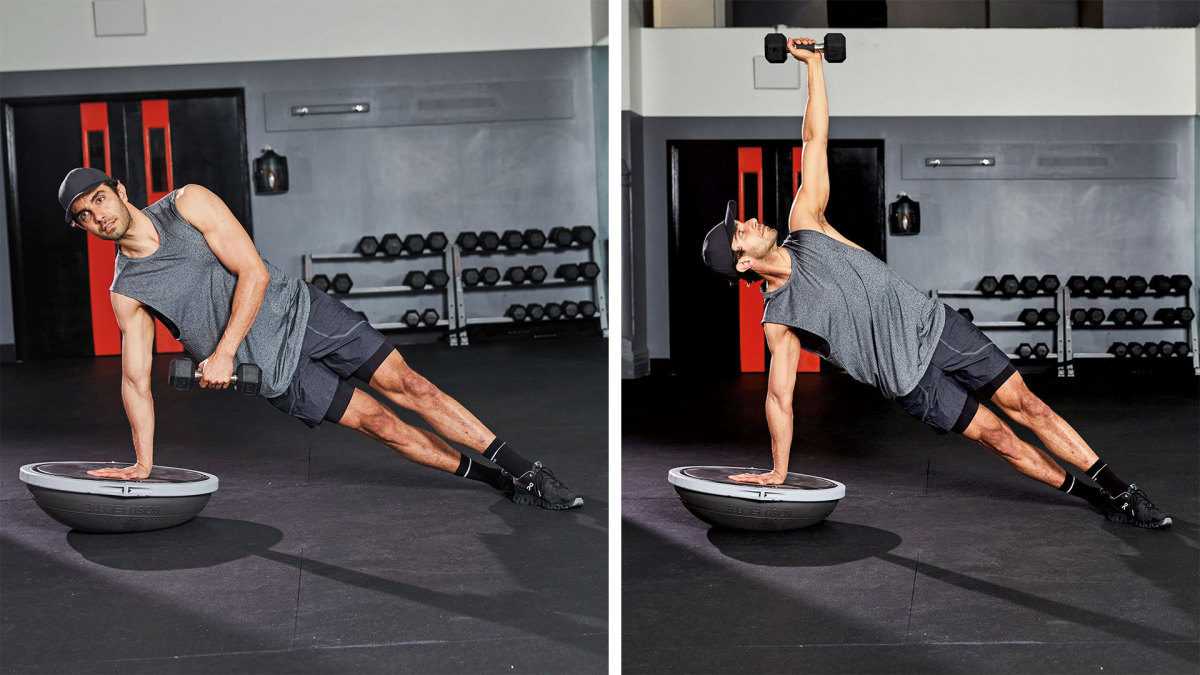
(716, 252)
(78, 183)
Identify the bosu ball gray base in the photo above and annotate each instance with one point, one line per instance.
(168, 497)
(711, 496)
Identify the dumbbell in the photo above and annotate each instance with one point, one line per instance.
(320, 282)
(1183, 349)
(489, 240)
(515, 275)
(1119, 316)
(516, 312)
(467, 241)
(590, 270)
(471, 276)
(967, 314)
(570, 309)
(1095, 316)
(342, 283)
(437, 241)
(583, 234)
(1049, 283)
(833, 48)
(1076, 285)
(1136, 350)
(415, 279)
(587, 308)
(1136, 286)
(438, 278)
(411, 318)
(1166, 349)
(554, 311)
(1170, 315)
(1160, 284)
(1009, 285)
(1095, 285)
(988, 285)
(535, 273)
(1117, 285)
(491, 276)
(536, 312)
(184, 374)
(1152, 349)
(367, 246)
(1137, 316)
(414, 243)
(430, 317)
(1049, 316)
(1028, 285)
(567, 272)
(1078, 316)
(1031, 316)
(1024, 351)
(1181, 283)
(535, 238)
(561, 237)
(512, 240)
(391, 244)
(1119, 350)
(1028, 316)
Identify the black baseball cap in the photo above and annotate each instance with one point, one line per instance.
(78, 183)
(716, 251)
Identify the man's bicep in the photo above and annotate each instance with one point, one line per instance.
(785, 355)
(813, 195)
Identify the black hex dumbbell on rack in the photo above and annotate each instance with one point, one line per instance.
(411, 318)
(1181, 283)
(1137, 316)
(1152, 349)
(988, 285)
(1136, 350)
(439, 278)
(415, 279)
(1049, 283)
(587, 308)
(553, 311)
(392, 244)
(1137, 285)
(561, 237)
(535, 311)
(512, 240)
(471, 277)
(583, 235)
(437, 241)
(1009, 285)
(1029, 285)
(1119, 350)
(570, 309)
(590, 270)
(516, 312)
(1119, 316)
(1096, 285)
(489, 240)
(1160, 284)
(184, 374)
(320, 282)
(567, 272)
(515, 275)
(833, 48)
(367, 246)
(1076, 285)
(491, 276)
(414, 244)
(1117, 285)
(342, 283)
(536, 274)
(1166, 348)
(467, 241)
(430, 317)
(534, 238)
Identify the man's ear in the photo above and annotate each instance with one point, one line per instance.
(744, 264)
(122, 193)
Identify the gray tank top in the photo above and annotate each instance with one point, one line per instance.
(187, 287)
(851, 309)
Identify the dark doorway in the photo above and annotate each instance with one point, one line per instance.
(707, 315)
(152, 143)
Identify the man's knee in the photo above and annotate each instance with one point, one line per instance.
(1033, 408)
(399, 378)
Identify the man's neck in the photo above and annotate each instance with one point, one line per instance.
(775, 268)
(141, 239)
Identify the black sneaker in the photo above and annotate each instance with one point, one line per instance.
(539, 486)
(1133, 506)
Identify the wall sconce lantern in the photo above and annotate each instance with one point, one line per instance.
(270, 173)
(904, 215)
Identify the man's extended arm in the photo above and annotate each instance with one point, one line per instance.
(781, 382)
(808, 208)
(137, 354)
(233, 247)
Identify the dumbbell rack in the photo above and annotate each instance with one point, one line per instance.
(449, 256)
(597, 285)
(1189, 299)
(1059, 354)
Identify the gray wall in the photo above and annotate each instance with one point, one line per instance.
(346, 183)
(972, 227)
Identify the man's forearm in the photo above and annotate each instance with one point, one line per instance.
(779, 421)
(139, 407)
(816, 112)
(247, 298)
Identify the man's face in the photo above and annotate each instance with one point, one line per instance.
(751, 240)
(102, 212)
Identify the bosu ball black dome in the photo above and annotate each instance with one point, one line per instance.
(166, 498)
(710, 495)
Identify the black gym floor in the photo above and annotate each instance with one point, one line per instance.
(322, 551)
(940, 559)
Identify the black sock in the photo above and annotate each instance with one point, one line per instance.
(484, 473)
(506, 458)
(1084, 491)
(1106, 479)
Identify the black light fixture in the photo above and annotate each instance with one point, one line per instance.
(270, 173)
(904, 215)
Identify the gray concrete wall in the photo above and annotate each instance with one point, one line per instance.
(346, 183)
(974, 227)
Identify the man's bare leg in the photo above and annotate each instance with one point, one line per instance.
(992, 433)
(1026, 409)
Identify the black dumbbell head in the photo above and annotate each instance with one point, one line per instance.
(1049, 283)
(835, 47)
(430, 317)
(966, 313)
(491, 276)
(1095, 316)
(1095, 285)
(1118, 316)
(1136, 350)
(515, 275)
(1024, 350)
(467, 241)
(1160, 284)
(415, 279)
(489, 240)
(570, 309)
(1049, 316)
(249, 379)
(1029, 285)
(553, 310)
(1181, 283)
(587, 308)
(411, 318)
(1076, 284)
(1078, 316)
(775, 48)
(320, 282)
(1136, 285)
(1183, 349)
(342, 283)
(567, 271)
(535, 273)
(512, 240)
(1009, 285)
(1117, 285)
(583, 234)
(391, 244)
(1166, 348)
(516, 313)
(1119, 350)
(535, 238)
(590, 270)
(536, 312)
(437, 241)
(470, 276)
(438, 278)
(182, 374)
(1165, 315)
(561, 237)
(1185, 314)
(414, 243)
(988, 285)
(1029, 316)
(1152, 350)
(1137, 316)
(1042, 350)
(368, 246)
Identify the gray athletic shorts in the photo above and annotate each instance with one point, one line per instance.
(966, 364)
(338, 344)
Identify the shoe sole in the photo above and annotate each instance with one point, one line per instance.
(531, 500)
(1121, 518)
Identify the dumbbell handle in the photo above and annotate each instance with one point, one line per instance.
(812, 48)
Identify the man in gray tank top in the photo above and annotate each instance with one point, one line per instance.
(824, 293)
(188, 261)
